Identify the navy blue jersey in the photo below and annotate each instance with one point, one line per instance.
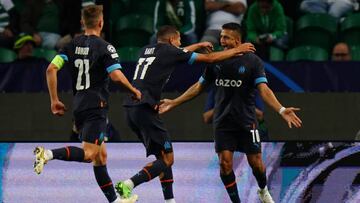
(235, 82)
(153, 70)
(90, 60)
(210, 101)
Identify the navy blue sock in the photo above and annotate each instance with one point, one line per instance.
(104, 181)
(260, 178)
(229, 182)
(166, 183)
(149, 172)
(69, 154)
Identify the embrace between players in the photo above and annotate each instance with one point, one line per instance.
(236, 73)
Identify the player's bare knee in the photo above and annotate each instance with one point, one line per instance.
(169, 162)
(168, 159)
(101, 158)
(103, 155)
(99, 161)
(91, 155)
(258, 169)
(226, 166)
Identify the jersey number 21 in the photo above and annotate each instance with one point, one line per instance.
(83, 66)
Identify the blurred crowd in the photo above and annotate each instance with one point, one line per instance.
(272, 25)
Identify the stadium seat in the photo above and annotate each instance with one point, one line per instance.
(19, 5)
(118, 8)
(133, 30)
(290, 29)
(355, 53)
(128, 54)
(316, 30)
(145, 7)
(200, 14)
(47, 54)
(350, 29)
(276, 54)
(311, 53)
(7, 55)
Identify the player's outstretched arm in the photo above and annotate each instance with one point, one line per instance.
(207, 45)
(118, 77)
(168, 104)
(57, 107)
(288, 114)
(222, 55)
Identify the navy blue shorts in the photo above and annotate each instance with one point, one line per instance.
(246, 141)
(150, 129)
(91, 125)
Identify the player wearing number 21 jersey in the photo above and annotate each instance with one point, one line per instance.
(92, 61)
(153, 69)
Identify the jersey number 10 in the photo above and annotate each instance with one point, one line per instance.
(143, 67)
(255, 135)
(82, 64)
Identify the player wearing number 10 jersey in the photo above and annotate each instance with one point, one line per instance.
(91, 61)
(235, 81)
(153, 69)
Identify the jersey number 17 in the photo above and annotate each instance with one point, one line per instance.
(142, 67)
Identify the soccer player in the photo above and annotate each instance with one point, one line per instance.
(259, 112)
(153, 69)
(235, 124)
(91, 61)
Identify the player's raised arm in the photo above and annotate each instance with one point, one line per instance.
(118, 77)
(168, 104)
(57, 107)
(222, 55)
(206, 45)
(288, 114)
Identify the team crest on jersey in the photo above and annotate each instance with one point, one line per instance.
(242, 69)
(111, 48)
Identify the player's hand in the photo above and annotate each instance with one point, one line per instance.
(136, 94)
(58, 108)
(165, 106)
(291, 118)
(208, 46)
(245, 47)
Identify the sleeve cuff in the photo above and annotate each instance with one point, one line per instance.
(192, 58)
(202, 80)
(113, 67)
(260, 80)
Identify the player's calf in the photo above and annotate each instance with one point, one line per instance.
(42, 156)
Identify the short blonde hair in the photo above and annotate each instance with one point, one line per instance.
(90, 15)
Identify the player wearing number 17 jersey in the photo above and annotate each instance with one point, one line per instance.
(153, 69)
(91, 61)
